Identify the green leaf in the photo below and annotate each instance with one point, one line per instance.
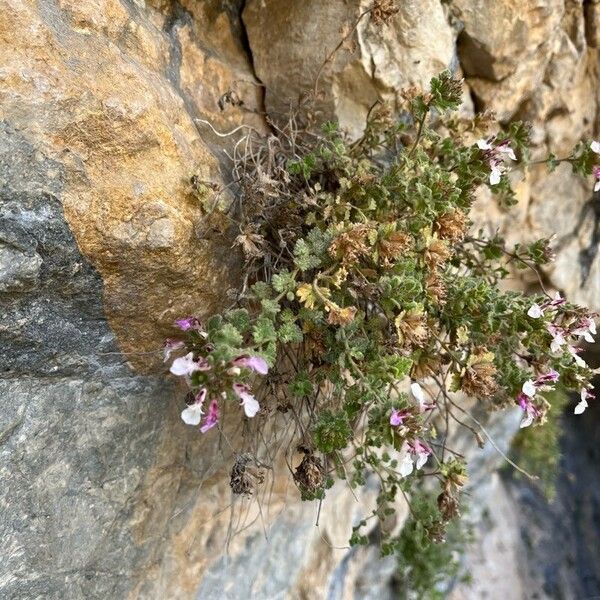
(264, 331)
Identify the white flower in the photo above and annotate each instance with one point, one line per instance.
(578, 360)
(529, 388)
(558, 338)
(249, 402)
(495, 176)
(192, 414)
(506, 149)
(535, 312)
(583, 404)
(406, 466)
(418, 394)
(595, 146)
(483, 145)
(586, 330)
(417, 391)
(527, 420)
(185, 365)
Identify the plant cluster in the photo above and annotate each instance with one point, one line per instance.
(371, 310)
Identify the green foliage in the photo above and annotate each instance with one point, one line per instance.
(373, 299)
(426, 564)
(332, 432)
(537, 450)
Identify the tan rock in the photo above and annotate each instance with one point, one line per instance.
(293, 45)
(98, 86)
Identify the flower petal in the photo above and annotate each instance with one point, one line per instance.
(535, 312)
(595, 147)
(184, 365)
(406, 466)
(529, 388)
(255, 363)
(251, 405)
(581, 406)
(192, 414)
(417, 391)
(212, 417)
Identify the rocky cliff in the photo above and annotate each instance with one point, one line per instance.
(107, 108)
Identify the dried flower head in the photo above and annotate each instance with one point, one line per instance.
(309, 473)
(436, 287)
(478, 378)
(437, 252)
(411, 327)
(451, 226)
(392, 247)
(349, 247)
(246, 474)
(341, 316)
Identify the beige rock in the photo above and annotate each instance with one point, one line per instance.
(293, 45)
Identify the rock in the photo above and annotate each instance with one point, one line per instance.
(111, 92)
(108, 107)
(293, 45)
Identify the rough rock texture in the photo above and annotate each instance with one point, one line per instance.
(107, 107)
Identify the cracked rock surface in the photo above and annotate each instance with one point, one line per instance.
(107, 108)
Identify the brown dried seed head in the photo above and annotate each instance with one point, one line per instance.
(309, 473)
(394, 245)
(479, 381)
(452, 226)
(245, 475)
(436, 287)
(437, 252)
(412, 328)
(351, 245)
(341, 316)
(448, 505)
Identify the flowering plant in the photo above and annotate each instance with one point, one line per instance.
(370, 309)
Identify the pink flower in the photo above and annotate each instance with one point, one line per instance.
(531, 412)
(170, 346)
(212, 416)
(558, 337)
(420, 451)
(596, 173)
(551, 376)
(186, 365)
(397, 417)
(249, 402)
(188, 323)
(586, 329)
(416, 454)
(495, 157)
(192, 414)
(255, 363)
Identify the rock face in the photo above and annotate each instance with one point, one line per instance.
(107, 108)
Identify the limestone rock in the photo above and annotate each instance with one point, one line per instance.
(294, 45)
(107, 107)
